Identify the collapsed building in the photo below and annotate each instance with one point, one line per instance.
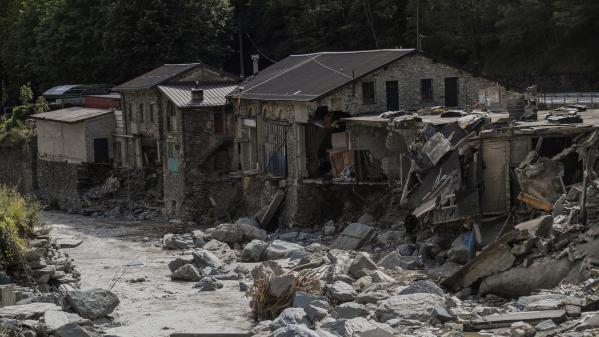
(294, 119)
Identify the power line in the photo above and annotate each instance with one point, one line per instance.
(258, 49)
(327, 67)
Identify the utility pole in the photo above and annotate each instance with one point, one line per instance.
(241, 63)
(418, 37)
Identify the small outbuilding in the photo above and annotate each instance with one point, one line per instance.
(75, 135)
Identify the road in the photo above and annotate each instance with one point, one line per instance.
(116, 251)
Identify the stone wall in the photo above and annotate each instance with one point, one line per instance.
(63, 184)
(146, 101)
(408, 71)
(18, 165)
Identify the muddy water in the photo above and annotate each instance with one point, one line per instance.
(115, 252)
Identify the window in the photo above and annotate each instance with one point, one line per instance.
(426, 89)
(219, 123)
(141, 113)
(130, 113)
(170, 119)
(152, 119)
(368, 93)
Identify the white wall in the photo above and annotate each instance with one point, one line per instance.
(61, 141)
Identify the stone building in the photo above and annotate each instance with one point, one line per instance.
(141, 142)
(198, 133)
(74, 151)
(290, 116)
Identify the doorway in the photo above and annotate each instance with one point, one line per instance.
(392, 96)
(451, 91)
(101, 150)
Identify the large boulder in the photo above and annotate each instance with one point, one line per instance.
(421, 307)
(544, 274)
(353, 236)
(278, 249)
(349, 327)
(227, 232)
(178, 263)
(176, 241)
(54, 320)
(342, 292)
(188, 273)
(92, 303)
(290, 316)
(422, 287)
(203, 258)
(254, 251)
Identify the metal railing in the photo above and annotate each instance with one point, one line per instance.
(552, 100)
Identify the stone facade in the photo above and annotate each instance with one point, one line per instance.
(18, 165)
(408, 72)
(197, 161)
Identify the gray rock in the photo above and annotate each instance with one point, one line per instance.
(378, 276)
(348, 327)
(251, 232)
(247, 221)
(203, 258)
(27, 311)
(290, 316)
(371, 297)
(367, 218)
(361, 265)
(227, 232)
(521, 329)
(209, 284)
(279, 285)
(545, 326)
(458, 252)
(329, 228)
(54, 320)
(230, 276)
(389, 238)
(294, 330)
(391, 261)
(421, 307)
(350, 310)
(405, 249)
(278, 249)
(342, 292)
(343, 278)
(43, 298)
(422, 287)
(73, 330)
(353, 236)
(340, 261)
(178, 263)
(316, 313)
(254, 251)
(93, 303)
(303, 300)
(188, 273)
(175, 241)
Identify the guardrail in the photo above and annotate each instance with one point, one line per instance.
(552, 100)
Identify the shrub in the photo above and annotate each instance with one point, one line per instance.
(18, 215)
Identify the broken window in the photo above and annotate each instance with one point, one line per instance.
(152, 119)
(368, 93)
(219, 123)
(170, 120)
(426, 89)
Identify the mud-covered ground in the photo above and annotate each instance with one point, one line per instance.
(117, 254)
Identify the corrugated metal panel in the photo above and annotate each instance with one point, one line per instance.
(306, 77)
(214, 94)
(496, 195)
(156, 76)
(72, 115)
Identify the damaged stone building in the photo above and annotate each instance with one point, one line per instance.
(292, 132)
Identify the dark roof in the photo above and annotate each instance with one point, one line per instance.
(156, 76)
(72, 115)
(215, 94)
(309, 76)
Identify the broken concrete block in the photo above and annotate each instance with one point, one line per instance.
(342, 292)
(187, 273)
(353, 236)
(178, 263)
(539, 227)
(458, 252)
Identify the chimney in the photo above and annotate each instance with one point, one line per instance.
(197, 95)
(255, 59)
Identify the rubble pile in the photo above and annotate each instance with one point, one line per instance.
(42, 297)
(373, 280)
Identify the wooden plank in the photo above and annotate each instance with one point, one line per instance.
(534, 202)
(272, 208)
